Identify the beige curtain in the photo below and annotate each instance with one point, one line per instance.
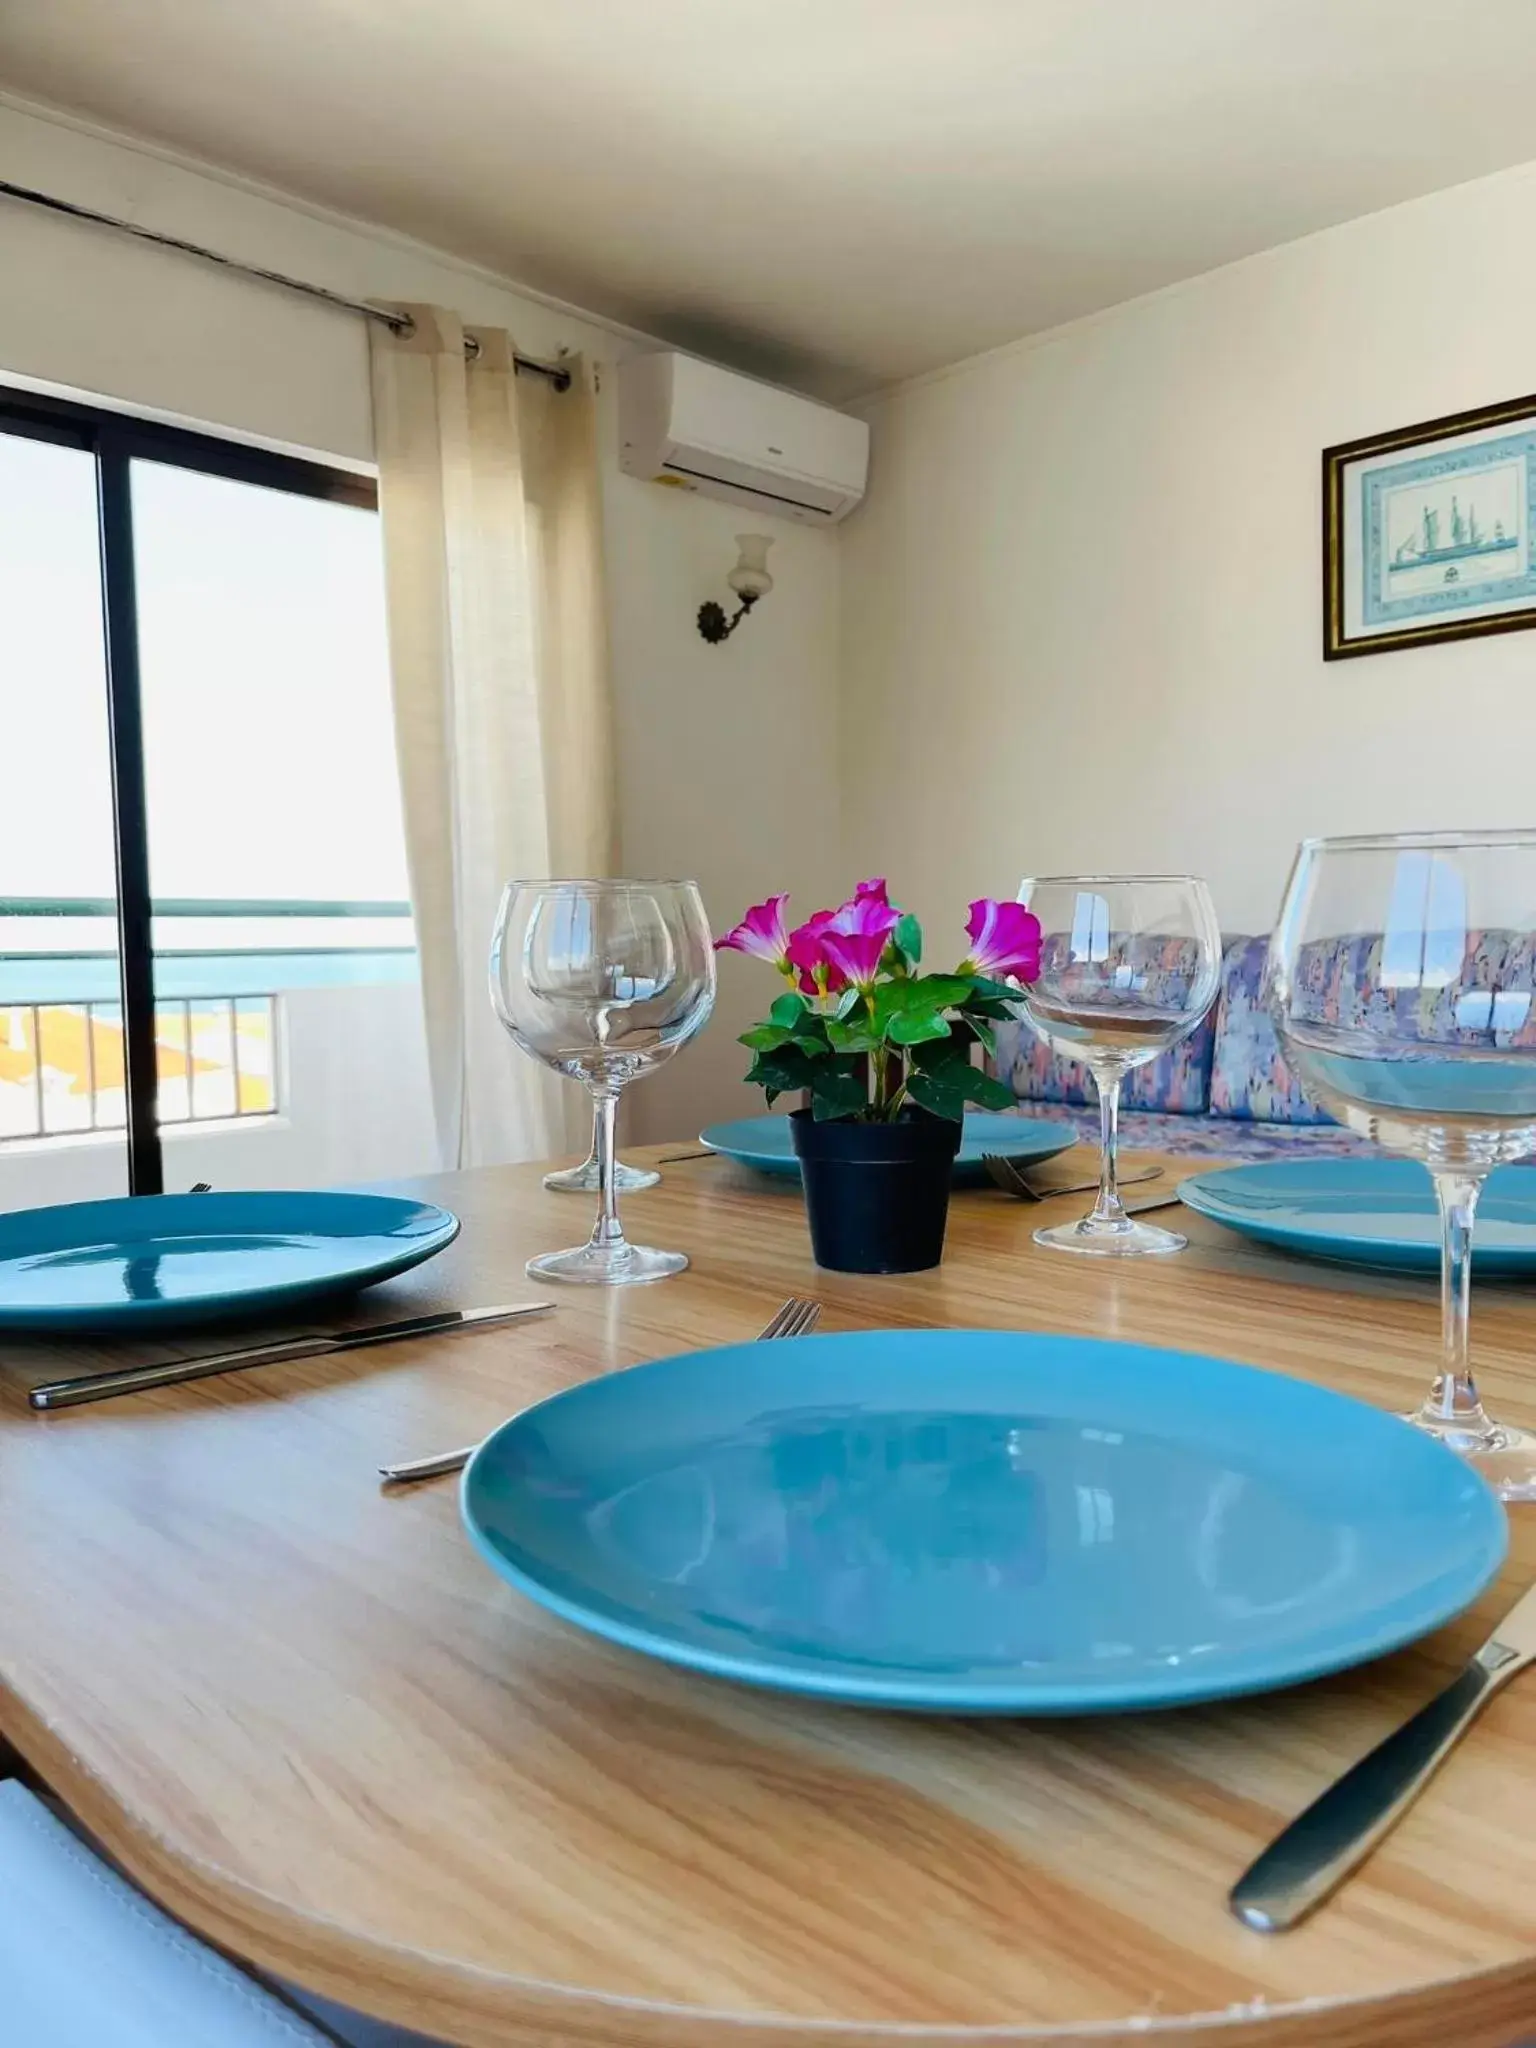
(488, 495)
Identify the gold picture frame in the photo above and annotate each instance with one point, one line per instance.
(1429, 532)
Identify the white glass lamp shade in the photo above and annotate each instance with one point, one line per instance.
(750, 578)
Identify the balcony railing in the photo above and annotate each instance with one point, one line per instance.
(61, 1064)
(221, 968)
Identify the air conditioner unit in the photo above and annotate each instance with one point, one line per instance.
(687, 423)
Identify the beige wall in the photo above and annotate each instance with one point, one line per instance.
(727, 755)
(1081, 605)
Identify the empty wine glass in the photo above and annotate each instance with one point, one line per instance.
(587, 1179)
(603, 981)
(1128, 966)
(1401, 979)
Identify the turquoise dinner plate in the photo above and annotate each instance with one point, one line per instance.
(1369, 1212)
(764, 1142)
(971, 1522)
(150, 1262)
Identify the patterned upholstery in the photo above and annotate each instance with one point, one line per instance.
(1249, 1077)
(1207, 1137)
(1514, 1018)
(1034, 1072)
(1227, 1091)
(1178, 1082)
(1347, 983)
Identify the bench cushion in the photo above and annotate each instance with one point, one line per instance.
(86, 1961)
(1178, 1082)
(1249, 1076)
(1209, 1137)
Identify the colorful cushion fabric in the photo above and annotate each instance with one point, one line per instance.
(1356, 983)
(1177, 1081)
(1513, 1011)
(1249, 1077)
(1209, 1137)
(1035, 1073)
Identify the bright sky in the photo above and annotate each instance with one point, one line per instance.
(268, 738)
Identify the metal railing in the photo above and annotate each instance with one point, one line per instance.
(62, 1064)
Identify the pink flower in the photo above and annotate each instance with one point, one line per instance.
(854, 939)
(1005, 941)
(874, 888)
(762, 932)
(804, 951)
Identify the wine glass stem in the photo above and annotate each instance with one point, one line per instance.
(592, 1158)
(1107, 1209)
(1455, 1399)
(607, 1232)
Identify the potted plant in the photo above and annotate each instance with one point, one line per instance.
(882, 1054)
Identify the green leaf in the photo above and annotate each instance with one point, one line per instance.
(781, 1070)
(916, 1027)
(853, 1037)
(837, 1091)
(848, 1002)
(930, 1092)
(949, 1052)
(788, 1010)
(765, 1038)
(908, 938)
(986, 1091)
(982, 1032)
(947, 991)
(948, 1077)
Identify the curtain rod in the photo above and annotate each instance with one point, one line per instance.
(558, 375)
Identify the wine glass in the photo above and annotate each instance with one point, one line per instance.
(1128, 966)
(1401, 978)
(587, 1179)
(603, 981)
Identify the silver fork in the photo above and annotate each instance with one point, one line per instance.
(796, 1318)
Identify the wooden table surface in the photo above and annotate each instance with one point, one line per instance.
(307, 1719)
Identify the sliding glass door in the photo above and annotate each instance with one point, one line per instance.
(201, 821)
(63, 1102)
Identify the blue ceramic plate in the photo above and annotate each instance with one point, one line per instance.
(967, 1522)
(764, 1142)
(150, 1262)
(1369, 1212)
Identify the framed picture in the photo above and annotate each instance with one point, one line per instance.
(1429, 533)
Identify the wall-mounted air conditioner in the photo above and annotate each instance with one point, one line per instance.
(687, 423)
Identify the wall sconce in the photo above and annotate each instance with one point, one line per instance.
(750, 581)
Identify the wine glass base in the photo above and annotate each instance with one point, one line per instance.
(582, 1180)
(1500, 1453)
(591, 1265)
(1127, 1239)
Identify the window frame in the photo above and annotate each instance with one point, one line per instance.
(115, 440)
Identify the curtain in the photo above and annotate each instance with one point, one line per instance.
(492, 533)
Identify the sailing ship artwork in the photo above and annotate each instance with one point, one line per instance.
(1443, 532)
(1427, 549)
(1429, 532)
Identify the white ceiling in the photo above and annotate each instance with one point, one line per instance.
(833, 192)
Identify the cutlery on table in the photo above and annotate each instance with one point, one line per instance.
(795, 1319)
(1311, 1858)
(1014, 1180)
(172, 1372)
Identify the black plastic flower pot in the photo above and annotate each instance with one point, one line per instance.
(876, 1195)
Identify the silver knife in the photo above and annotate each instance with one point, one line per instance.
(172, 1372)
(1320, 1848)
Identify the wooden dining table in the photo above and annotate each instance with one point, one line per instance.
(299, 1710)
